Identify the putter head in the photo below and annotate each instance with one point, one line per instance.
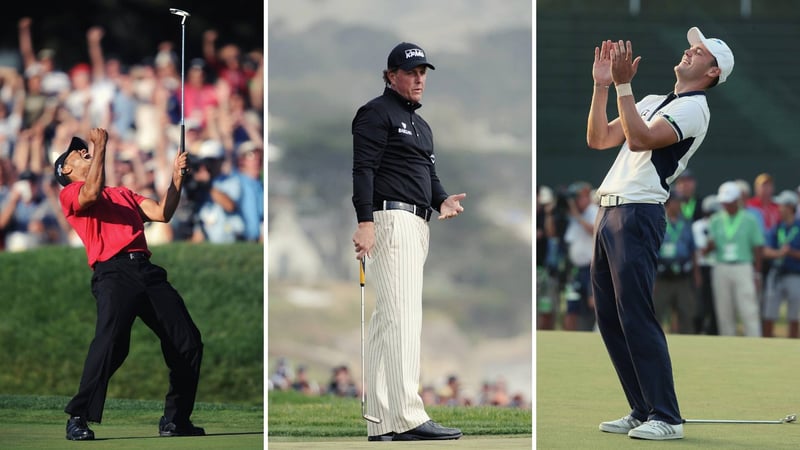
(179, 12)
(369, 418)
(790, 418)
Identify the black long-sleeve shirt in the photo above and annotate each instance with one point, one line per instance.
(393, 156)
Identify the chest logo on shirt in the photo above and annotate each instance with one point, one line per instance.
(404, 130)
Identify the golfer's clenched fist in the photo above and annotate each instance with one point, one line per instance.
(98, 136)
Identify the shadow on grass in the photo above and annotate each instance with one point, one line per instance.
(122, 438)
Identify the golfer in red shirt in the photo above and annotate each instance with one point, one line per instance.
(110, 222)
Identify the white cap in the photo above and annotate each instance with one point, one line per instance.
(545, 195)
(211, 149)
(717, 47)
(786, 198)
(729, 192)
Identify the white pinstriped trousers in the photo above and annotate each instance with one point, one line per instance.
(393, 342)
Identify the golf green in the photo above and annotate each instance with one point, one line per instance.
(716, 377)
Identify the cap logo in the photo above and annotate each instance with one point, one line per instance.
(414, 53)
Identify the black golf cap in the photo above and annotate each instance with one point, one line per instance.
(76, 144)
(406, 56)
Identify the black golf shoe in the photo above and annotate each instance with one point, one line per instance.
(78, 429)
(170, 429)
(428, 431)
(381, 437)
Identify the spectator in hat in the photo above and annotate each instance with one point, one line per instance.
(705, 321)
(250, 168)
(783, 281)
(686, 188)
(736, 242)
(219, 216)
(677, 270)
(579, 238)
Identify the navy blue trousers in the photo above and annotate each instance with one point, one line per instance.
(126, 289)
(623, 272)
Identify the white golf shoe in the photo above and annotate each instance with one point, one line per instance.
(620, 426)
(656, 430)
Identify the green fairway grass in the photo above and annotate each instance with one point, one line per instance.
(715, 378)
(48, 320)
(29, 422)
(292, 415)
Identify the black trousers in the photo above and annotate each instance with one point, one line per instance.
(126, 289)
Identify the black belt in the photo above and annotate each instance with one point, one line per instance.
(130, 255)
(419, 211)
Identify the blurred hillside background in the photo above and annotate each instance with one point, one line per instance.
(325, 60)
(752, 127)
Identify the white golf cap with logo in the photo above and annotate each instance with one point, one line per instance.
(717, 47)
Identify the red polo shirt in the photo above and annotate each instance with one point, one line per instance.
(770, 211)
(111, 225)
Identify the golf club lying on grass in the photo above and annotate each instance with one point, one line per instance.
(362, 269)
(788, 419)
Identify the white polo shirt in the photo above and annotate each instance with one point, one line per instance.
(646, 175)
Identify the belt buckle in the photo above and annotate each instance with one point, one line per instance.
(613, 200)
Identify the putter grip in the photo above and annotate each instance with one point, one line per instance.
(362, 269)
(183, 145)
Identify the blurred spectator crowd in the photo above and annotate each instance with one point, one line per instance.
(43, 105)
(341, 383)
(729, 263)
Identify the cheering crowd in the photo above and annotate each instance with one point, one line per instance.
(729, 263)
(42, 106)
